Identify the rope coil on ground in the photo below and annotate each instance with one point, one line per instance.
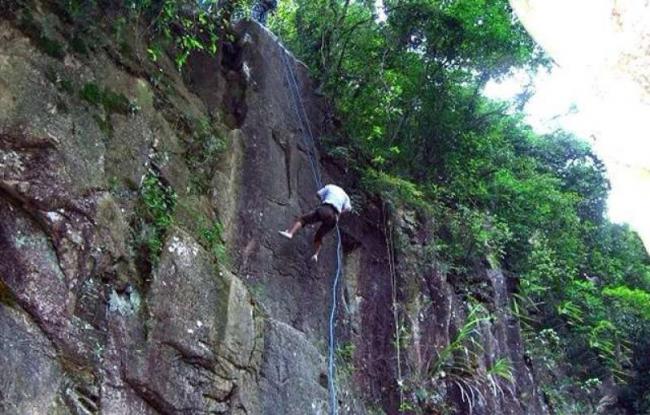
(304, 121)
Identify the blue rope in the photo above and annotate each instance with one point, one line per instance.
(302, 117)
(330, 362)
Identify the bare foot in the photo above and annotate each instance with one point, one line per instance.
(286, 234)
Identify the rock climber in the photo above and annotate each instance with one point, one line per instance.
(334, 202)
(261, 9)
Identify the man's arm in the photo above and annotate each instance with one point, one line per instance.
(347, 206)
(321, 193)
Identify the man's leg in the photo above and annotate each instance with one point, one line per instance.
(304, 220)
(328, 217)
(295, 228)
(317, 245)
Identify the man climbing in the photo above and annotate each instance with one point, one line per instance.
(334, 201)
(261, 9)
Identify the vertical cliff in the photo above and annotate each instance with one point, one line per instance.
(140, 267)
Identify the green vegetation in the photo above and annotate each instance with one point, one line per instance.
(345, 369)
(109, 100)
(458, 363)
(345, 352)
(211, 238)
(155, 212)
(193, 213)
(78, 44)
(631, 300)
(393, 188)
(174, 27)
(177, 27)
(34, 29)
(465, 343)
(185, 32)
(420, 133)
(202, 153)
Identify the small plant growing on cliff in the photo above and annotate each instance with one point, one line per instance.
(345, 363)
(157, 203)
(345, 351)
(499, 376)
(207, 143)
(203, 151)
(457, 363)
(109, 100)
(465, 339)
(211, 238)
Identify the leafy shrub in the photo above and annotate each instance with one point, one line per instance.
(392, 188)
(155, 211)
(631, 300)
(187, 26)
(203, 152)
(458, 365)
(184, 26)
(211, 237)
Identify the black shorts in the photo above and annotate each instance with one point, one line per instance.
(326, 215)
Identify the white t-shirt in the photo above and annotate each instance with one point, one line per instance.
(335, 196)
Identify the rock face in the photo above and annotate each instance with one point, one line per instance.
(105, 310)
(435, 317)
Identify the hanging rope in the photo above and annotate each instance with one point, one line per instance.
(390, 251)
(307, 133)
(302, 118)
(331, 386)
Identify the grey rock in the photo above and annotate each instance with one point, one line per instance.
(291, 373)
(201, 335)
(31, 375)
